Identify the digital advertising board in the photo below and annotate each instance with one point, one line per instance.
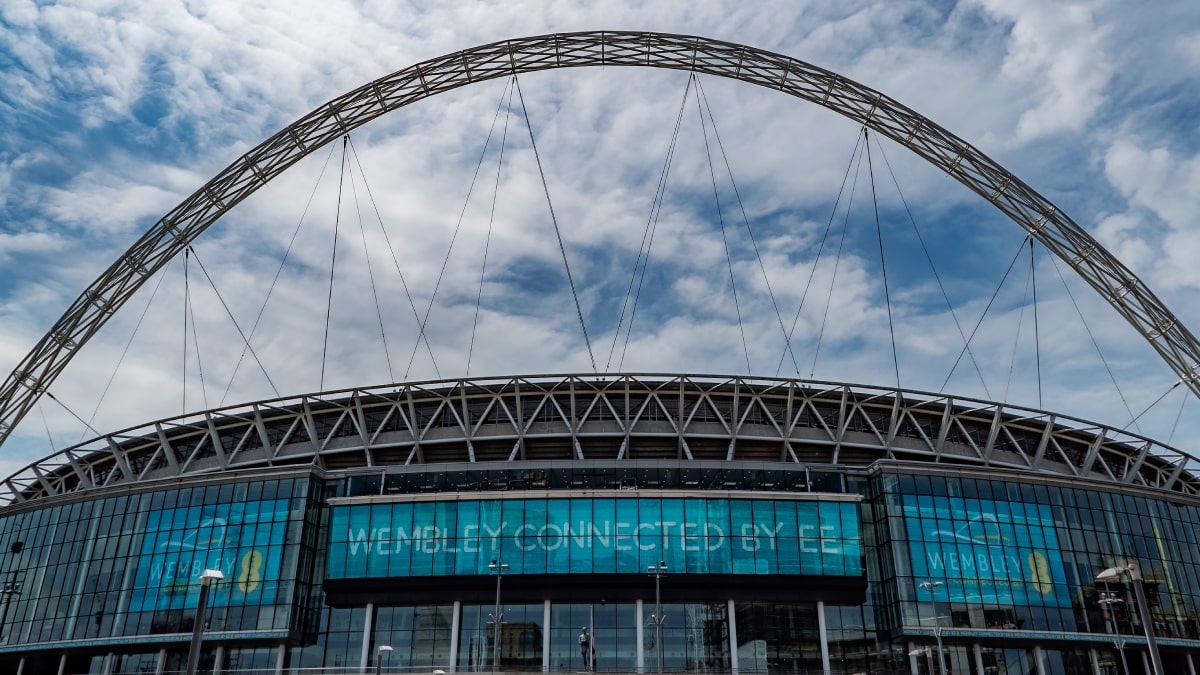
(594, 535)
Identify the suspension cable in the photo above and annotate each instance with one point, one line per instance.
(362, 230)
(724, 239)
(1037, 342)
(837, 260)
(487, 242)
(882, 259)
(199, 363)
(278, 272)
(787, 343)
(1151, 406)
(337, 222)
(186, 292)
(129, 343)
(933, 267)
(982, 316)
(46, 426)
(233, 320)
(395, 261)
(72, 413)
(423, 322)
(1012, 366)
(648, 236)
(1091, 336)
(557, 233)
(1178, 416)
(820, 250)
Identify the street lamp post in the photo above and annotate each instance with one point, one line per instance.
(207, 577)
(928, 656)
(658, 572)
(1134, 572)
(383, 649)
(1107, 599)
(499, 569)
(937, 624)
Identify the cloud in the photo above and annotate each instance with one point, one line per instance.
(119, 111)
(1057, 53)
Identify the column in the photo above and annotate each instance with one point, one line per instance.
(219, 660)
(368, 620)
(1094, 658)
(162, 662)
(21, 666)
(1191, 664)
(824, 636)
(108, 663)
(1038, 662)
(733, 641)
(455, 629)
(978, 651)
(641, 637)
(546, 636)
(62, 664)
(912, 658)
(280, 655)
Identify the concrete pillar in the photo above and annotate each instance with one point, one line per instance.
(455, 629)
(978, 652)
(364, 662)
(1094, 657)
(219, 660)
(824, 635)
(162, 662)
(62, 664)
(280, 657)
(733, 640)
(639, 618)
(1191, 664)
(546, 636)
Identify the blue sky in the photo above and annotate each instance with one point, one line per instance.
(111, 113)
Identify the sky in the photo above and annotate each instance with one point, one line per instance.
(113, 112)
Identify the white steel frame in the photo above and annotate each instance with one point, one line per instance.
(170, 235)
(688, 418)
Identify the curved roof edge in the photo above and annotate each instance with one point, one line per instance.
(609, 417)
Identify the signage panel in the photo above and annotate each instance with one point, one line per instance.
(985, 552)
(595, 535)
(244, 541)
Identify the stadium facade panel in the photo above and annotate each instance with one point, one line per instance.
(782, 525)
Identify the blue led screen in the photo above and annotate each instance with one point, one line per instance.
(985, 552)
(243, 541)
(594, 535)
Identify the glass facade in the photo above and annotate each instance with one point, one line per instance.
(1002, 567)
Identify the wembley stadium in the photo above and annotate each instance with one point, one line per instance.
(632, 522)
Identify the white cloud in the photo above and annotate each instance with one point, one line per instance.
(144, 100)
(1057, 53)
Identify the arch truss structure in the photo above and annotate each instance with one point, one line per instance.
(615, 420)
(170, 235)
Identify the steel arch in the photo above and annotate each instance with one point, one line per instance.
(171, 234)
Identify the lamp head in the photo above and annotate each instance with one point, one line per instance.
(209, 576)
(383, 649)
(1112, 573)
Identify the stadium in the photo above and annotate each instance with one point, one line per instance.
(640, 522)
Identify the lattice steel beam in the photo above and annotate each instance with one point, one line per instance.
(1131, 298)
(617, 417)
